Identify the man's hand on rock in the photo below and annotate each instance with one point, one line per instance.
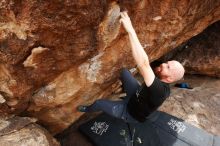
(125, 20)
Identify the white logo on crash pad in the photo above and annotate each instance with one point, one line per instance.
(176, 125)
(99, 127)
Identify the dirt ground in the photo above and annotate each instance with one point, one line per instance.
(198, 106)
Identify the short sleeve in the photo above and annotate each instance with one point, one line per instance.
(159, 91)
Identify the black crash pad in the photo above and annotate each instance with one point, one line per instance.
(161, 129)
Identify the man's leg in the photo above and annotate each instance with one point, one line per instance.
(113, 108)
(130, 86)
(129, 83)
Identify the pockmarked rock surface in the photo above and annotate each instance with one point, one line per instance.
(200, 54)
(17, 131)
(55, 55)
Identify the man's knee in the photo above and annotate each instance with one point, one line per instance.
(99, 101)
(124, 71)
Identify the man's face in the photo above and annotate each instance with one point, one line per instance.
(166, 69)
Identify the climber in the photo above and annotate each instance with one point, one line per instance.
(140, 100)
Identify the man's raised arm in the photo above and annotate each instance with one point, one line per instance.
(138, 52)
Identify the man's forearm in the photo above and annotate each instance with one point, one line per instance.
(138, 52)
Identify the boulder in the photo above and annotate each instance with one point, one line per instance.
(55, 55)
(19, 131)
(200, 54)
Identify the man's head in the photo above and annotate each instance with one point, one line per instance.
(170, 71)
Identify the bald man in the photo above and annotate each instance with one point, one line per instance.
(140, 101)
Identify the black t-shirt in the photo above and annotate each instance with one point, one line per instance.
(148, 99)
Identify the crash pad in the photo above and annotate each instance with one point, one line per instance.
(160, 129)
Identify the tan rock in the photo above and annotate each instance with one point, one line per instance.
(2, 99)
(200, 54)
(19, 131)
(29, 62)
(86, 49)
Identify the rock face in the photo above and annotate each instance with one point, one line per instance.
(19, 131)
(55, 55)
(201, 54)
